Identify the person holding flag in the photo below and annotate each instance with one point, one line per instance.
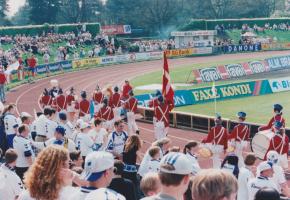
(165, 104)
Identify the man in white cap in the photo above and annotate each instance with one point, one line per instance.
(98, 171)
(175, 170)
(265, 173)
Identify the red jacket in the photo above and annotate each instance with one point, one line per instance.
(126, 89)
(272, 121)
(162, 112)
(279, 143)
(98, 97)
(240, 132)
(217, 135)
(32, 62)
(45, 100)
(3, 79)
(105, 113)
(60, 102)
(84, 107)
(69, 99)
(131, 104)
(153, 103)
(115, 100)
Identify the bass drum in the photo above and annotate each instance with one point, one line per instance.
(260, 143)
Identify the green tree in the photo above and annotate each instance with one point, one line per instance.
(4, 9)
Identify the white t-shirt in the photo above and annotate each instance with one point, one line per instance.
(10, 184)
(10, 123)
(244, 176)
(82, 193)
(228, 168)
(70, 145)
(40, 125)
(116, 142)
(194, 161)
(257, 183)
(278, 176)
(144, 163)
(84, 143)
(153, 166)
(65, 193)
(104, 194)
(24, 150)
(98, 137)
(50, 128)
(69, 129)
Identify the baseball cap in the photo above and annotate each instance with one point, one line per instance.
(241, 114)
(264, 166)
(179, 161)
(25, 114)
(84, 125)
(96, 163)
(104, 194)
(60, 130)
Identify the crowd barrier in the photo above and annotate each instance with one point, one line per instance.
(196, 122)
(223, 72)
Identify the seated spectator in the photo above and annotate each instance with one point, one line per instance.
(213, 184)
(150, 184)
(122, 185)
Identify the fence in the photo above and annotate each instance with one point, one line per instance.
(196, 122)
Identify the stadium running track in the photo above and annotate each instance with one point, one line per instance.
(26, 96)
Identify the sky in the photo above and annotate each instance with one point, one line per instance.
(14, 6)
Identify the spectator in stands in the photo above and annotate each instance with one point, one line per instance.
(120, 184)
(150, 184)
(214, 184)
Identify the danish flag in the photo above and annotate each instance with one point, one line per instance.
(167, 90)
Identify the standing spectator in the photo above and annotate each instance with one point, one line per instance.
(175, 170)
(3, 81)
(213, 184)
(32, 62)
(189, 151)
(154, 163)
(122, 185)
(99, 135)
(10, 184)
(150, 184)
(11, 124)
(230, 164)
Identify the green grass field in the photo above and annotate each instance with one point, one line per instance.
(259, 108)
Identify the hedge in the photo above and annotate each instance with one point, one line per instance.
(197, 24)
(93, 28)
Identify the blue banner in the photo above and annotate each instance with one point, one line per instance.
(54, 66)
(278, 63)
(242, 48)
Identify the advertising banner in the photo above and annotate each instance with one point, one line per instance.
(210, 74)
(242, 48)
(54, 66)
(180, 52)
(107, 60)
(278, 63)
(85, 62)
(116, 29)
(280, 84)
(235, 70)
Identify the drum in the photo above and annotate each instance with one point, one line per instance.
(260, 143)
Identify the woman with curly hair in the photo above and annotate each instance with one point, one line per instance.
(49, 176)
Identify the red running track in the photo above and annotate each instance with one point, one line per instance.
(26, 96)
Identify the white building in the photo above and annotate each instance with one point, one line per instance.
(184, 39)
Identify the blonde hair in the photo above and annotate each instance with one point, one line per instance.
(161, 142)
(42, 179)
(132, 141)
(150, 183)
(213, 184)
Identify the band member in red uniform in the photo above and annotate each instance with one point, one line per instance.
(217, 141)
(98, 97)
(131, 107)
(84, 107)
(277, 117)
(115, 103)
(71, 99)
(126, 89)
(46, 99)
(239, 137)
(60, 102)
(106, 113)
(280, 143)
(153, 103)
(162, 117)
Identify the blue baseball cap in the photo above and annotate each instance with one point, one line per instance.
(241, 114)
(60, 129)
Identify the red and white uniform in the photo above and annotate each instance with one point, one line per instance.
(60, 102)
(239, 139)
(69, 99)
(45, 100)
(280, 143)
(125, 92)
(84, 110)
(272, 121)
(115, 103)
(217, 142)
(162, 119)
(98, 98)
(20, 71)
(106, 113)
(131, 106)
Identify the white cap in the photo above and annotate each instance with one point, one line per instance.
(179, 161)
(104, 194)
(273, 157)
(264, 166)
(84, 125)
(96, 163)
(25, 114)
